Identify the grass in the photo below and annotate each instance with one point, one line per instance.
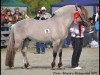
(34, 49)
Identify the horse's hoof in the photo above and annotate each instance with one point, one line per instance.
(9, 67)
(60, 68)
(54, 68)
(53, 65)
(60, 65)
(29, 67)
(26, 65)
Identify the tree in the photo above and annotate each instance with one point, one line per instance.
(36, 4)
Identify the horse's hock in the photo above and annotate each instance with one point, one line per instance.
(4, 36)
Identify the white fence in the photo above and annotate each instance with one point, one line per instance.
(4, 35)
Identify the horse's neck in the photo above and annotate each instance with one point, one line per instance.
(65, 20)
(65, 16)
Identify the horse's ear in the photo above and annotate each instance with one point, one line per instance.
(53, 15)
(79, 6)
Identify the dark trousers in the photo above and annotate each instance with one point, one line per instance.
(73, 42)
(97, 36)
(40, 47)
(77, 44)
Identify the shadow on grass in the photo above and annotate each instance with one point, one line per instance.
(39, 67)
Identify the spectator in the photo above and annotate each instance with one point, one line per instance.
(44, 15)
(38, 15)
(39, 46)
(97, 29)
(95, 16)
(17, 12)
(16, 18)
(2, 10)
(91, 30)
(2, 16)
(41, 15)
(24, 15)
(8, 17)
(16, 15)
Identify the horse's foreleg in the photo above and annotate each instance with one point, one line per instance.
(24, 53)
(54, 57)
(60, 54)
(60, 59)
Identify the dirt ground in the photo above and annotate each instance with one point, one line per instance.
(89, 61)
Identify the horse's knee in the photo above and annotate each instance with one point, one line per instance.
(22, 51)
(17, 44)
(54, 54)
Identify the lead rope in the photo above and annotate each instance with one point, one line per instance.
(76, 16)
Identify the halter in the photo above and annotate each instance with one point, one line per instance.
(77, 15)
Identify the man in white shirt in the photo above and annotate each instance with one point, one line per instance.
(44, 15)
(77, 34)
(97, 14)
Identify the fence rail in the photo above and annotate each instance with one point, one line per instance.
(4, 36)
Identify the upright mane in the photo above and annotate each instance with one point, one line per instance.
(69, 8)
(64, 9)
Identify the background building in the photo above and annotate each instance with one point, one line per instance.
(90, 5)
(12, 4)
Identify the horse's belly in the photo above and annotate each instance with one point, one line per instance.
(41, 37)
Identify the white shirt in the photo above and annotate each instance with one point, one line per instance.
(96, 17)
(72, 32)
(75, 31)
(46, 16)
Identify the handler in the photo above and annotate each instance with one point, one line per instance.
(45, 15)
(77, 34)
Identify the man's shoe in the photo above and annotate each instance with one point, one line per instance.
(77, 68)
(36, 53)
(42, 52)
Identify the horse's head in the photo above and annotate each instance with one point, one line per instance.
(83, 15)
(66, 13)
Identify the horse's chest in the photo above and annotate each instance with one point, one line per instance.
(58, 33)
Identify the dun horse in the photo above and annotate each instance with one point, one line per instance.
(52, 30)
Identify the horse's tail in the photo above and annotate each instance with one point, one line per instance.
(10, 55)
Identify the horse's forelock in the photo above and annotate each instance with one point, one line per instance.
(64, 9)
(84, 12)
(84, 15)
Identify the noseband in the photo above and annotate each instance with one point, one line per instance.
(79, 13)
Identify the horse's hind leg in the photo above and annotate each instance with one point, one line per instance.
(54, 56)
(23, 50)
(55, 49)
